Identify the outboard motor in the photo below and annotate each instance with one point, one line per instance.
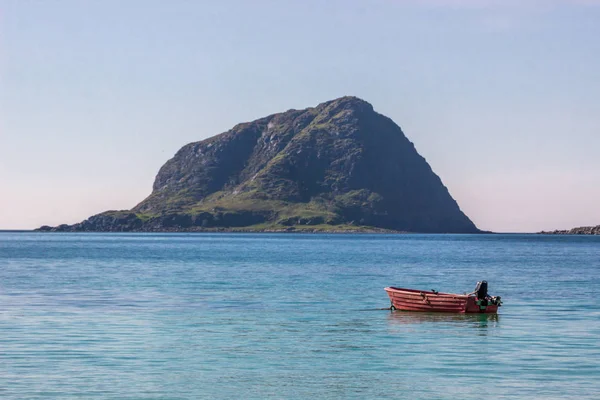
(482, 298)
(481, 290)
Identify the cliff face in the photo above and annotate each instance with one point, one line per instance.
(337, 166)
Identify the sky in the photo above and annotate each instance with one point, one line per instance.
(501, 97)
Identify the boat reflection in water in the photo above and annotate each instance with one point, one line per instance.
(474, 321)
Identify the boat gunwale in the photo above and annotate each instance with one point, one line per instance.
(428, 292)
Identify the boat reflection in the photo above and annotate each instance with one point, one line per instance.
(466, 320)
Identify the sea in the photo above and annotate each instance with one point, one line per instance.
(294, 316)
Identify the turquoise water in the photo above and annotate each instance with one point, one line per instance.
(290, 316)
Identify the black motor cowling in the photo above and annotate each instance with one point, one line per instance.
(481, 289)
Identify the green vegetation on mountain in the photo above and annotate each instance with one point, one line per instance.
(339, 166)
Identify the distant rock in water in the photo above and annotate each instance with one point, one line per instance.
(583, 230)
(339, 166)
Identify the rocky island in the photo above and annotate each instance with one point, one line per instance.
(582, 230)
(339, 166)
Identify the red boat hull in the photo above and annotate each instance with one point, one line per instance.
(420, 300)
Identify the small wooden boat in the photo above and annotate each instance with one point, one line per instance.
(477, 301)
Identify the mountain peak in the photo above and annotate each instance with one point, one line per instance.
(347, 100)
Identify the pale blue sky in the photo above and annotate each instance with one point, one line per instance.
(501, 97)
